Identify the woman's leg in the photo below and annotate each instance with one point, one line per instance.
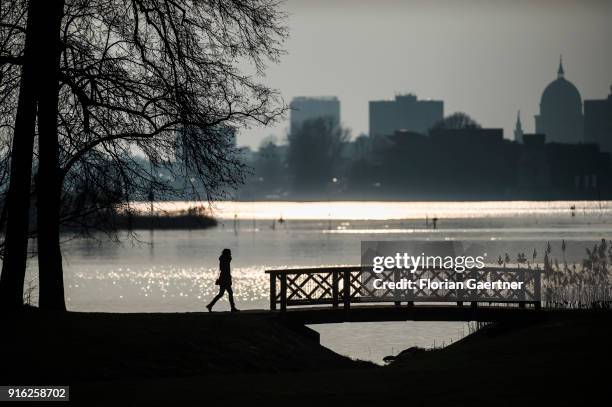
(217, 297)
(231, 298)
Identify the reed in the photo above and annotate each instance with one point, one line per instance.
(569, 285)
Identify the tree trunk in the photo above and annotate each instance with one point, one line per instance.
(48, 184)
(18, 198)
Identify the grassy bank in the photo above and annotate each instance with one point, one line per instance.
(63, 347)
(157, 359)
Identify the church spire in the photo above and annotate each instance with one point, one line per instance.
(518, 130)
(560, 71)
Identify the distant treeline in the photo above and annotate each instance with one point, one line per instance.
(108, 220)
(164, 221)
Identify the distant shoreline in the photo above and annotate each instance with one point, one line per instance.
(164, 221)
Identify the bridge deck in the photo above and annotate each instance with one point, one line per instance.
(380, 313)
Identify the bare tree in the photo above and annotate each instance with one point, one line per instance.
(12, 34)
(48, 180)
(156, 78)
(17, 203)
(456, 120)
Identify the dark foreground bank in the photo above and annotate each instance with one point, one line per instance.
(179, 359)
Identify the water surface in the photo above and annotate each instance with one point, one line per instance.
(174, 271)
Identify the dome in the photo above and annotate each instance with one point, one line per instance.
(561, 96)
(560, 117)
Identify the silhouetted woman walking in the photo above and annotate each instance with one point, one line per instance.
(224, 281)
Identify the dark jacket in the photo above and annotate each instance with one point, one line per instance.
(225, 277)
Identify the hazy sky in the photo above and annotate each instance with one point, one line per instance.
(488, 58)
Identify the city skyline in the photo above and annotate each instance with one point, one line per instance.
(360, 63)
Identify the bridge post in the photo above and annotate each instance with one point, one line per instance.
(538, 289)
(396, 278)
(335, 290)
(347, 289)
(273, 291)
(522, 275)
(283, 288)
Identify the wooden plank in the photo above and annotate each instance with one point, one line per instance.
(359, 268)
(335, 289)
(283, 289)
(347, 289)
(314, 270)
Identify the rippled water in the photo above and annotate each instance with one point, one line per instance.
(172, 271)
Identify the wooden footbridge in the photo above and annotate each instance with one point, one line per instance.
(351, 294)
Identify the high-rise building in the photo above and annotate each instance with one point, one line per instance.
(307, 108)
(598, 122)
(406, 112)
(560, 115)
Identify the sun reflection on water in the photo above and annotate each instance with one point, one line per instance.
(379, 210)
(190, 285)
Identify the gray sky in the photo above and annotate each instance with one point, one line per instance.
(487, 58)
